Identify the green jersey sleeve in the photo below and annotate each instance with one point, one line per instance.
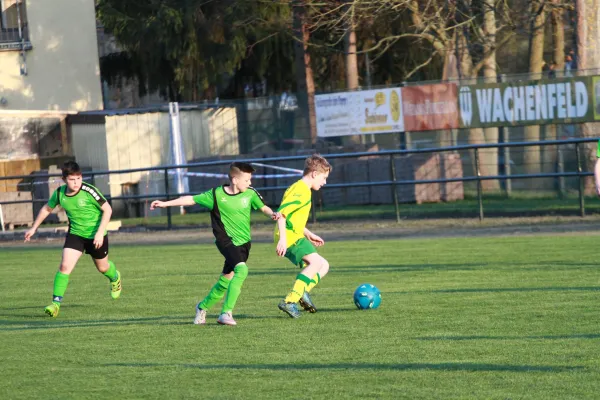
(205, 199)
(54, 200)
(257, 200)
(598, 151)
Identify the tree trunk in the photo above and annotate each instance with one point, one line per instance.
(304, 72)
(351, 68)
(550, 153)
(588, 58)
(476, 135)
(490, 156)
(531, 154)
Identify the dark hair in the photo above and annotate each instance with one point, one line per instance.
(70, 168)
(237, 167)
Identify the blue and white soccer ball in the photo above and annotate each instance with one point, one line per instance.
(367, 296)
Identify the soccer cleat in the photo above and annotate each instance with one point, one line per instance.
(290, 309)
(200, 316)
(226, 319)
(307, 303)
(115, 287)
(52, 310)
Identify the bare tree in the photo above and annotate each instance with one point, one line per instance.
(588, 58)
(304, 72)
(351, 60)
(531, 155)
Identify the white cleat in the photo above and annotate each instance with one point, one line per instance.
(226, 319)
(200, 316)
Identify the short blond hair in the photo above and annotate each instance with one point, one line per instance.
(237, 168)
(317, 163)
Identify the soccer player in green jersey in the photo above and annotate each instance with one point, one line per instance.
(88, 213)
(230, 207)
(296, 242)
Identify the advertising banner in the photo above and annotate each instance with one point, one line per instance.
(430, 107)
(564, 100)
(336, 114)
(380, 111)
(357, 113)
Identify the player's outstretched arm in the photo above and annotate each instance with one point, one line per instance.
(314, 239)
(181, 201)
(42, 215)
(270, 213)
(282, 243)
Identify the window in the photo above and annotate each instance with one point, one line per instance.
(13, 21)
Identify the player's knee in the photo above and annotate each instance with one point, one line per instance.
(324, 267)
(224, 281)
(65, 268)
(241, 271)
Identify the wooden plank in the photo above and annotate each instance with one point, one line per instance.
(3, 187)
(64, 137)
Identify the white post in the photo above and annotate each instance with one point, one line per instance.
(177, 151)
(1, 218)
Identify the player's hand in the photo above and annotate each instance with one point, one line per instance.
(157, 204)
(29, 234)
(315, 239)
(276, 216)
(281, 247)
(98, 240)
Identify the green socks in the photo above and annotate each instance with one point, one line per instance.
(216, 293)
(112, 271)
(235, 287)
(61, 281)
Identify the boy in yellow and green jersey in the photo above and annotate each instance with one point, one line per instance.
(296, 242)
(89, 214)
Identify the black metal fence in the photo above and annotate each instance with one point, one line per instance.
(475, 180)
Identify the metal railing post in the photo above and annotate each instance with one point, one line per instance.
(169, 221)
(580, 186)
(479, 194)
(394, 187)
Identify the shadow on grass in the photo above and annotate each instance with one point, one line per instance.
(375, 268)
(6, 325)
(535, 337)
(525, 289)
(470, 367)
(501, 290)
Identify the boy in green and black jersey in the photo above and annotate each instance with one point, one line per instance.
(230, 206)
(89, 214)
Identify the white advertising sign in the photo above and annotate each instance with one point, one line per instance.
(357, 113)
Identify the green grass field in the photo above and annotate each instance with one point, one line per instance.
(482, 318)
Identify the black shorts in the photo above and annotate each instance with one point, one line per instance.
(234, 255)
(86, 245)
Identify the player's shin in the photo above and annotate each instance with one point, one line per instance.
(302, 282)
(216, 293)
(235, 287)
(314, 282)
(111, 273)
(61, 281)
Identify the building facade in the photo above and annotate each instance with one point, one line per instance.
(49, 56)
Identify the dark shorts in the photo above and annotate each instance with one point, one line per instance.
(234, 255)
(86, 245)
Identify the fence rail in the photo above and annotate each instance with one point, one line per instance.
(393, 183)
